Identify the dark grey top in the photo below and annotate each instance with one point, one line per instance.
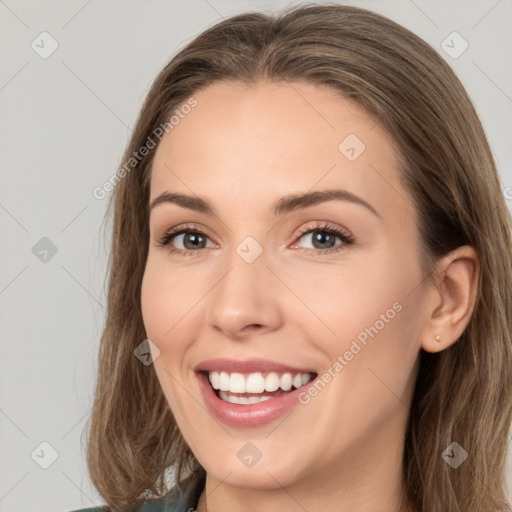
(174, 501)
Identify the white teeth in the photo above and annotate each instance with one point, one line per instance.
(214, 379)
(272, 382)
(233, 399)
(223, 380)
(286, 381)
(237, 383)
(256, 382)
(255, 399)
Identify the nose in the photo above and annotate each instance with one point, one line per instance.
(246, 300)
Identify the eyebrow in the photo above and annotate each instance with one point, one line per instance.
(283, 205)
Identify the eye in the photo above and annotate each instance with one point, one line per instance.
(191, 238)
(323, 238)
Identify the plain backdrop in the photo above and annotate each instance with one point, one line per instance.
(65, 120)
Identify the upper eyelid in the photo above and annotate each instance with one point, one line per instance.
(298, 233)
(189, 226)
(186, 227)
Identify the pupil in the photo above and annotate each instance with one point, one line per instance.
(192, 237)
(319, 237)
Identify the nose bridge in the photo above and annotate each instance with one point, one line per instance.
(246, 295)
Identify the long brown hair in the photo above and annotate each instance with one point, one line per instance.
(463, 393)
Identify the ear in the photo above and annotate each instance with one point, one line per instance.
(450, 302)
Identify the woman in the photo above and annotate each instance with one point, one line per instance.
(310, 289)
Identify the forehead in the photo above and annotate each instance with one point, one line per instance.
(247, 144)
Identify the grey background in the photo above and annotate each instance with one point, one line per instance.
(64, 123)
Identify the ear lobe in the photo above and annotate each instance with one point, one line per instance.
(452, 300)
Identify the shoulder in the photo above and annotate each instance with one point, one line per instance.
(177, 500)
(169, 503)
(93, 509)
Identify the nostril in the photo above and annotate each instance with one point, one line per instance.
(252, 326)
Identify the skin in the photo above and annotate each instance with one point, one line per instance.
(241, 148)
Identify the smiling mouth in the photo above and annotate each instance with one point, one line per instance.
(255, 387)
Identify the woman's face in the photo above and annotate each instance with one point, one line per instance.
(261, 280)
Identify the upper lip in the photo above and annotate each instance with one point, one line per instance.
(248, 366)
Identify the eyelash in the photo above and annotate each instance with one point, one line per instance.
(327, 228)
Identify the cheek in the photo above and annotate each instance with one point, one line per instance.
(165, 302)
(372, 317)
(154, 305)
(348, 300)
(166, 298)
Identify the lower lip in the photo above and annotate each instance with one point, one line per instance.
(247, 415)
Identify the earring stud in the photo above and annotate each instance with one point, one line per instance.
(438, 338)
